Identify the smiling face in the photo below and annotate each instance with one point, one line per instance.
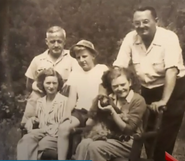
(85, 59)
(121, 86)
(55, 42)
(51, 85)
(144, 23)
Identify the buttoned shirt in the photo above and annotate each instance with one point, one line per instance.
(51, 117)
(64, 65)
(151, 64)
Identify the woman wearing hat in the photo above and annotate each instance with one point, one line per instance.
(84, 88)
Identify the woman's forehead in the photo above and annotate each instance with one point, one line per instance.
(120, 80)
(51, 78)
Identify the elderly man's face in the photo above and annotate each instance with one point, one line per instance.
(55, 42)
(145, 23)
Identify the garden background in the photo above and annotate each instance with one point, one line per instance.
(23, 24)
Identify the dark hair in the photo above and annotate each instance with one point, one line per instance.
(113, 73)
(45, 73)
(151, 9)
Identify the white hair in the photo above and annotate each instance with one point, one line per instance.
(54, 29)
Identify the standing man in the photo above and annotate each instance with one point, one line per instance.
(156, 56)
(55, 56)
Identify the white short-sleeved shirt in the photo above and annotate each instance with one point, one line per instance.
(87, 85)
(151, 64)
(64, 65)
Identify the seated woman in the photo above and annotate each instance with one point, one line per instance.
(50, 112)
(128, 122)
(84, 87)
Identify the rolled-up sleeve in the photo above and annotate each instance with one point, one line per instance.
(124, 54)
(173, 52)
(30, 73)
(135, 116)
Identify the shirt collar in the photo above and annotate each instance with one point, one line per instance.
(55, 100)
(156, 41)
(64, 53)
(47, 57)
(128, 98)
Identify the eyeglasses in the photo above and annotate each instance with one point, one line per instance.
(140, 23)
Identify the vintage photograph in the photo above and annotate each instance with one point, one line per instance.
(100, 80)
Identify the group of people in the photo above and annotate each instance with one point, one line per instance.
(65, 86)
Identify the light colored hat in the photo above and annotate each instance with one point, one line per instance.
(83, 43)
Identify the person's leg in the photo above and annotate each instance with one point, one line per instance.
(167, 136)
(103, 150)
(151, 95)
(90, 122)
(47, 143)
(172, 118)
(63, 137)
(27, 148)
(30, 106)
(82, 148)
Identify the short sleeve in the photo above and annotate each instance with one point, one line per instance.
(104, 68)
(173, 52)
(124, 54)
(72, 79)
(100, 70)
(75, 66)
(31, 71)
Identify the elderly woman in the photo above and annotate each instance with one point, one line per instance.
(127, 123)
(50, 112)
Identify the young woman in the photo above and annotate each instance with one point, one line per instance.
(84, 88)
(50, 112)
(132, 106)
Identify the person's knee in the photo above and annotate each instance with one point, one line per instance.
(64, 130)
(86, 142)
(94, 146)
(28, 137)
(24, 141)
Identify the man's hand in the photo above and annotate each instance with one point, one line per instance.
(35, 88)
(155, 106)
(106, 108)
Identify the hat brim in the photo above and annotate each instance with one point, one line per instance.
(72, 51)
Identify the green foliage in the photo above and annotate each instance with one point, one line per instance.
(104, 22)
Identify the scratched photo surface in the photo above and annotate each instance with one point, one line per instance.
(23, 26)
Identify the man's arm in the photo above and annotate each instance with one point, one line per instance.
(29, 83)
(169, 85)
(170, 81)
(124, 54)
(172, 60)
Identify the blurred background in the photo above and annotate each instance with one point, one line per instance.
(23, 24)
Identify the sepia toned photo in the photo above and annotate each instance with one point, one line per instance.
(99, 80)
